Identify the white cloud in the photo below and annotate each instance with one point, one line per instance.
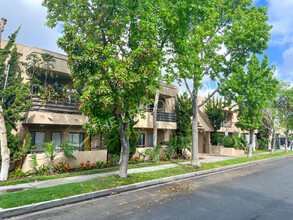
(286, 69)
(280, 13)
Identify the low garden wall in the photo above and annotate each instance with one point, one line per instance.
(81, 157)
(226, 151)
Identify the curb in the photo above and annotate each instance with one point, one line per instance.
(107, 192)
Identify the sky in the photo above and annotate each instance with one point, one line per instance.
(32, 17)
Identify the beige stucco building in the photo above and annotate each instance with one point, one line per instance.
(61, 121)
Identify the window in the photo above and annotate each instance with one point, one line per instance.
(76, 139)
(141, 140)
(150, 139)
(56, 137)
(38, 138)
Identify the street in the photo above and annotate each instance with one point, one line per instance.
(259, 192)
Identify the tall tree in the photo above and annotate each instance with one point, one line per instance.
(13, 101)
(213, 109)
(270, 122)
(252, 92)
(155, 111)
(213, 39)
(285, 111)
(114, 57)
(183, 110)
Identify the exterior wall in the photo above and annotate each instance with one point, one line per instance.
(148, 123)
(50, 118)
(226, 151)
(81, 157)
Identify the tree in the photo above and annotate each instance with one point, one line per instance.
(114, 57)
(270, 122)
(155, 110)
(213, 109)
(183, 110)
(252, 92)
(112, 140)
(14, 102)
(213, 39)
(285, 111)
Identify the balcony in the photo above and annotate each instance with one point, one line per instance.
(163, 116)
(54, 106)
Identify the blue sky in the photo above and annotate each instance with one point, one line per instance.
(32, 17)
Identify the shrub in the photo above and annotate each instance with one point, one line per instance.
(135, 160)
(33, 163)
(62, 167)
(18, 174)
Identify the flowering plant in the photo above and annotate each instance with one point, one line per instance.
(62, 167)
(135, 160)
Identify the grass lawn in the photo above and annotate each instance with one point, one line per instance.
(45, 194)
(88, 172)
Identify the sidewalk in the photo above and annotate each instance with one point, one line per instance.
(207, 158)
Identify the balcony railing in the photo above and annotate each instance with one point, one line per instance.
(55, 107)
(164, 116)
(228, 124)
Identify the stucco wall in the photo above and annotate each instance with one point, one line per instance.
(81, 157)
(226, 151)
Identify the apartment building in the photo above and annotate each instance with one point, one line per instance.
(61, 120)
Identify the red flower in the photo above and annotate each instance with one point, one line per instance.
(162, 156)
(81, 165)
(175, 155)
(88, 161)
(179, 154)
(95, 165)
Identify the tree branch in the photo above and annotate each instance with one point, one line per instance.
(214, 92)
(187, 86)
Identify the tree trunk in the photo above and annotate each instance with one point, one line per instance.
(194, 152)
(253, 142)
(250, 143)
(125, 149)
(274, 142)
(155, 110)
(51, 166)
(5, 152)
(270, 141)
(286, 141)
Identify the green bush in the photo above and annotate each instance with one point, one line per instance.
(18, 174)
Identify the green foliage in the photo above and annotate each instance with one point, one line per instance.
(285, 108)
(262, 143)
(68, 150)
(62, 167)
(237, 141)
(215, 138)
(15, 94)
(112, 140)
(17, 174)
(177, 144)
(49, 150)
(213, 109)
(251, 91)
(183, 110)
(115, 159)
(33, 163)
(23, 151)
(43, 170)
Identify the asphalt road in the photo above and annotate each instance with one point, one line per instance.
(259, 192)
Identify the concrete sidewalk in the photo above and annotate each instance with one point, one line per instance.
(207, 158)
